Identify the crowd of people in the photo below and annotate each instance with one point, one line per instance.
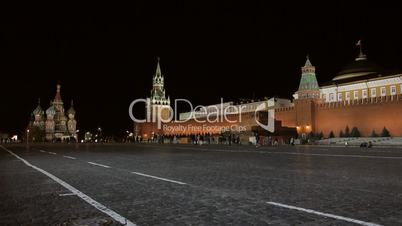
(200, 139)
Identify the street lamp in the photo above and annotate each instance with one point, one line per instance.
(100, 133)
(127, 140)
(27, 138)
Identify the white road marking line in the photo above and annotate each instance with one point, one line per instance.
(159, 178)
(67, 194)
(69, 157)
(80, 194)
(97, 164)
(42, 151)
(324, 214)
(52, 153)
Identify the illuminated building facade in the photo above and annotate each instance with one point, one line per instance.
(157, 104)
(360, 96)
(53, 124)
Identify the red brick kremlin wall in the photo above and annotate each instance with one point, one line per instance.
(366, 115)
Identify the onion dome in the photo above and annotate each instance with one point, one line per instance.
(50, 110)
(38, 110)
(71, 110)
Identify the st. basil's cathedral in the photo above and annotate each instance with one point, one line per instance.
(53, 124)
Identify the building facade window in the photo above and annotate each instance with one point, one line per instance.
(339, 96)
(356, 95)
(383, 91)
(347, 94)
(393, 90)
(364, 93)
(331, 97)
(373, 92)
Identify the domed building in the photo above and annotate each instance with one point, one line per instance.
(56, 125)
(360, 97)
(359, 69)
(359, 80)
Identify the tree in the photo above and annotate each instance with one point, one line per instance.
(385, 133)
(321, 135)
(373, 133)
(331, 134)
(355, 132)
(347, 132)
(341, 134)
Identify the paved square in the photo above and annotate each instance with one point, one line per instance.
(148, 184)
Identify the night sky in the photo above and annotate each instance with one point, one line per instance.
(105, 58)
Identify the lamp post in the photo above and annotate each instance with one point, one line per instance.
(27, 139)
(76, 139)
(100, 134)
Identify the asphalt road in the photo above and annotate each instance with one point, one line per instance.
(103, 184)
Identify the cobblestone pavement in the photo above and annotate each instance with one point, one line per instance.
(201, 185)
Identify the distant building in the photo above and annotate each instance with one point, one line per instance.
(158, 102)
(53, 124)
(360, 96)
(227, 117)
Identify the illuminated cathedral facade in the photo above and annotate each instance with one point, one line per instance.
(54, 123)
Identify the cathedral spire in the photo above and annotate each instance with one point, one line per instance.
(57, 98)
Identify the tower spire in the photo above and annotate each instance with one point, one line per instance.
(308, 86)
(308, 63)
(158, 72)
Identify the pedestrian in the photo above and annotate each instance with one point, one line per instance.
(257, 140)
